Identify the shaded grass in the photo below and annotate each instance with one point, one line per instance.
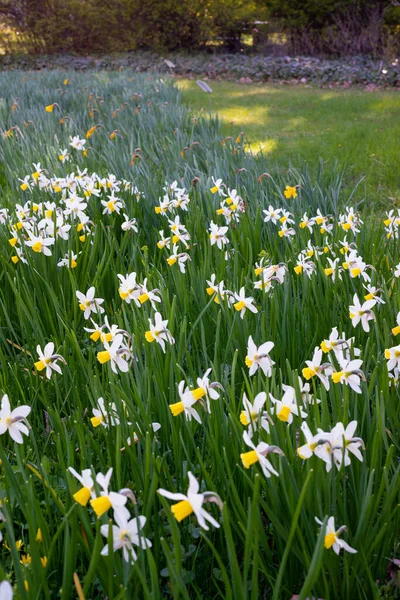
(359, 129)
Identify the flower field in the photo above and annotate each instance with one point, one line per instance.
(199, 361)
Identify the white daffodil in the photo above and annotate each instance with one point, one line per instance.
(272, 214)
(107, 499)
(217, 235)
(146, 295)
(77, 143)
(350, 374)
(207, 390)
(343, 441)
(86, 492)
(48, 360)
(392, 355)
(89, 304)
(128, 288)
(115, 353)
(314, 368)
(185, 404)
(252, 415)
(242, 303)
(259, 357)
(12, 420)
(126, 534)
(40, 244)
(259, 454)
(217, 187)
(332, 539)
(105, 415)
(159, 332)
(362, 313)
(287, 407)
(193, 503)
(129, 224)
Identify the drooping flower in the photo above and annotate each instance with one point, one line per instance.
(332, 539)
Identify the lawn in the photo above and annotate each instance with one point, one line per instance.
(199, 357)
(359, 129)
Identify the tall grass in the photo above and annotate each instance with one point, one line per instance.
(269, 544)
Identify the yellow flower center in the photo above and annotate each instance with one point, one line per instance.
(181, 510)
(142, 298)
(308, 373)
(198, 393)
(248, 361)
(149, 336)
(176, 408)
(329, 540)
(298, 269)
(336, 377)
(37, 246)
(103, 356)
(396, 330)
(96, 421)
(249, 458)
(283, 414)
(40, 365)
(100, 505)
(239, 305)
(82, 496)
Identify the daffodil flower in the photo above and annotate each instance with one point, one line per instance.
(272, 214)
(129, 224)
(102, 503)
(88, 303)
(350, 374)
(343, 441)
(217, 235)
(392, 355)
(287, 407)
(259, 357)
(185, 404)
(146, 295)
(105, 416)
(362, 313)
(87, 491)
(14, 421)
(217, 187)
(128, 288)
(126, 534)
(332, 539)
(314, 368)
(114, 354)
(158, 331)
(77, 143)
(48, 360)
(252, 415)
(242, 303)
(178, 257)
(290, 192)
(259, 454)
(193, 503)
(40, 244)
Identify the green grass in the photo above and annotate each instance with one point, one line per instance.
(268, 544)
(359, 129)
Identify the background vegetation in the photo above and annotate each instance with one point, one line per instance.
(305, 26)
